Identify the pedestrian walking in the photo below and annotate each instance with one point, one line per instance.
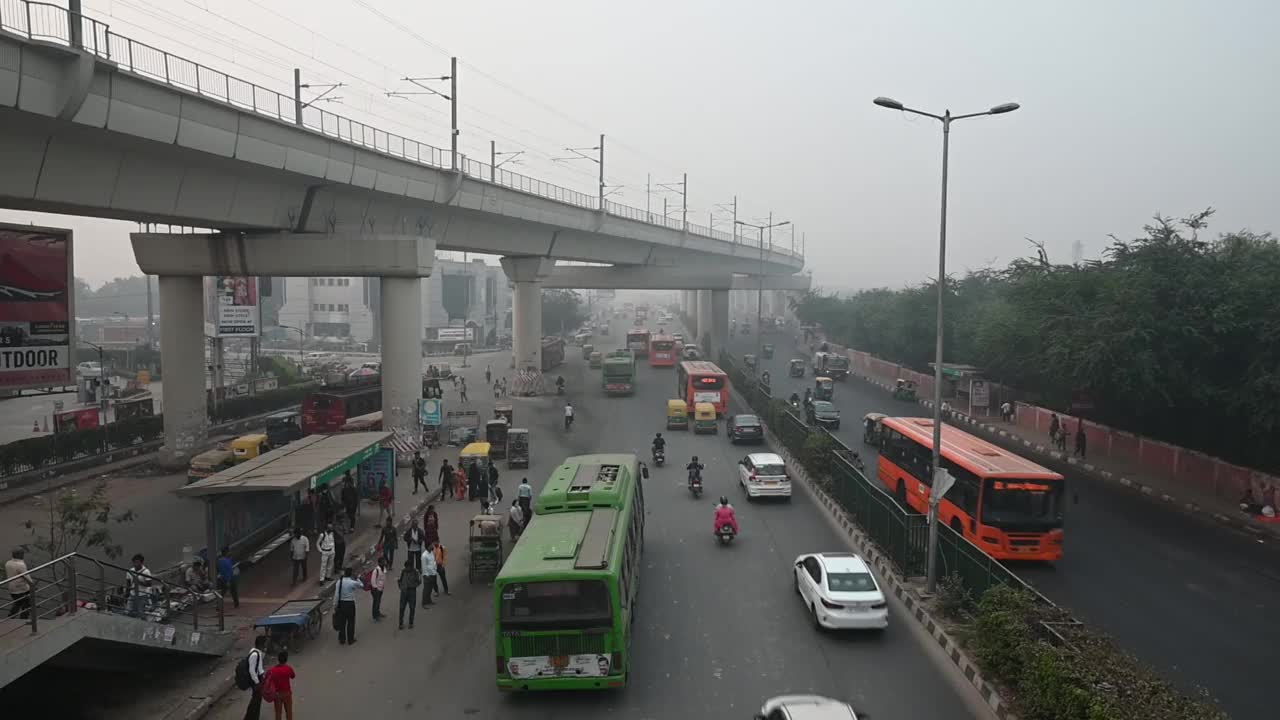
(414, 542)
(442, 556)
(504, 387)
(345, 610)
(228, 576)
(377, 582)
(137, 583)
(389, 540)
(1054, 427)
(464, 391)
(431, 525)
(299, 546)
(1080, 439)
(328, 510)
(250, 672)
(524, 494)
(19, 587)
(386, 501)
(419, 472)
(475, 483)
(446, 479)
(325, 544)
(408, 583)
(339, 552)
(515, 520)
(497, 390)
(494, 492)
(279, 680)
(1006, 411)
(428, 575)
(460, 483)
(488, 373)
(350, 500)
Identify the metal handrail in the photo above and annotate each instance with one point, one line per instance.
(51, 597)
(44, 22)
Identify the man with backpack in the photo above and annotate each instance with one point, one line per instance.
(249, 674)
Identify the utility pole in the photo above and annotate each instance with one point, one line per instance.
(601, 172)
(579, 153)
(299, 86)
(648, 192)
(151, 318)
(493, 159)
(75, 24)
(453, 108)
(684, 197)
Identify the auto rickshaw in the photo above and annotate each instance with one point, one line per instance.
(248, 447)
(504, 411)
(485, 545)
(284, 427)
(871, 431)
(677, 415)
(587, 350)
(495, 434)
(749, 360)
(518, 447)
(766, 351)
(704, 418)
(477, 453)
(796, 368)
(208, 463)
(596, 360)
(905, 390)
(824, 388)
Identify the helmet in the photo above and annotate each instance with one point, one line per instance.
(724, 500)
(659, 435)
(695, 458)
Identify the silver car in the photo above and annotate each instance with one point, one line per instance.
(807, 707)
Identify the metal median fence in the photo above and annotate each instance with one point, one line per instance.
(901, 533)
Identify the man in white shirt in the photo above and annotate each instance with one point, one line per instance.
(299, 546)
(515, 520)
(428, 574)
(568, 415)
(378, 581)
(326, 544)
(137, 583)
(345, 608)
(524, 493)
(20, 588)
(257, 670)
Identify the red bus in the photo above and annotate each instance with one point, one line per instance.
(326, 411)
(638, 342)
(700, 381)
(1005, 504)
(662, 351)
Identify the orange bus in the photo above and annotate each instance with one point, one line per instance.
(638, 342)
(699, 381)
(1007, 505)
(662, 351)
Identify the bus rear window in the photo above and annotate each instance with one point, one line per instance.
(663, 346)
(708, 382)
(557, 603)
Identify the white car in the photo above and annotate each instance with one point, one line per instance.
(840, 591)
(806, 707)
(764, 475)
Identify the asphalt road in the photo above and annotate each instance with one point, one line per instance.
(720, 627)
(1181, 594)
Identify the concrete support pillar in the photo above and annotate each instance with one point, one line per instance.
(704, 323)
(719, 322)
(693, 317)
(182, 343)
(401, 325)
(527, 274)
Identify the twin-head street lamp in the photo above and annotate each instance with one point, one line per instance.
(760, 294)
(942, 481)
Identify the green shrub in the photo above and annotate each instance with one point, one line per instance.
(816, 455)
(955, 600)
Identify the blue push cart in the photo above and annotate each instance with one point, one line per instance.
(291, 620)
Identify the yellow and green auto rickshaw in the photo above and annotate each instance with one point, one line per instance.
(824, 388)
(796, 368)
(704, 418)
(677, 415)
(248, 447)
(210, 462)
(905, 390)
(596, 360)
(477, 453)
(872, 432)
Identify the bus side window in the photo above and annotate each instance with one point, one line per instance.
(965, 491)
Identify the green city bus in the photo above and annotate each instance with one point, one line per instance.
(565, 596)
(619, 374)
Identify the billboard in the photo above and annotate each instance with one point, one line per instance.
(233, 306)
(37, 307)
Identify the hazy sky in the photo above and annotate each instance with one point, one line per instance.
(1128, 108)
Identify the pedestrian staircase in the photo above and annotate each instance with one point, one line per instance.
(76, 598)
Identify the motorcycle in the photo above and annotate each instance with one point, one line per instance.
(659, 456)
(725, 534)
(695, 484)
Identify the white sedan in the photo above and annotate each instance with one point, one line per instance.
(840, 591)
(806, 707)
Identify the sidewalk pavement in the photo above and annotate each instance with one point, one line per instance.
(1130, 474)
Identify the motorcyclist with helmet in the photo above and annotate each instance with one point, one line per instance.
(695, 469)
(659, 445)
(725, 516)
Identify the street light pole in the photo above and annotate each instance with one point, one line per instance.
(760, 293)
(941, 482)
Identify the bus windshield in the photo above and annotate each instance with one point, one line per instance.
(1022, 505)
(556, 603)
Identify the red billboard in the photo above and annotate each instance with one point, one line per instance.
(36, 307)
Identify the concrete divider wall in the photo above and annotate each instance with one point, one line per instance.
(1192, 468)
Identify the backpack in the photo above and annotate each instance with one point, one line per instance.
(366, 580)
(268, 690)
(243, 680)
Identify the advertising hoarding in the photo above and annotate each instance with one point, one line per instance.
(37, 307)
(233, 307)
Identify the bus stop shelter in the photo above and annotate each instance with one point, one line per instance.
(250, 507)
